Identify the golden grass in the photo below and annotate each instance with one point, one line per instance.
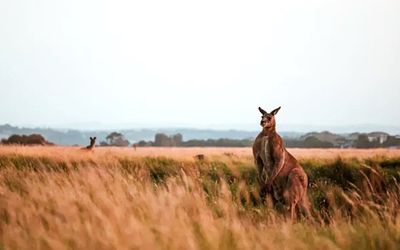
(112, 199)
(189, 153)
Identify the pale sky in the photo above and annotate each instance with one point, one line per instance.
(199, 63)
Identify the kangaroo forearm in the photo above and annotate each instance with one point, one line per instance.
(260, 171)
(276, 170)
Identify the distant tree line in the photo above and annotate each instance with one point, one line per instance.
(309, 142)
(362, 141)
(163, 140)
(176, 140)
(34, 139)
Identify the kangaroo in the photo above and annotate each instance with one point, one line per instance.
(92, 144)
(279, 173)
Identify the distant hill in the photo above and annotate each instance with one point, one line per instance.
(326, 136)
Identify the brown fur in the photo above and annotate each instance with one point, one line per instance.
(279, 173)
(92, 144)
(200, 157)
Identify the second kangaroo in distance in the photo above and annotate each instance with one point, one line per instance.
(279, 173)
(92, 144)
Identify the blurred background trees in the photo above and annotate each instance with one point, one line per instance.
(115, 139)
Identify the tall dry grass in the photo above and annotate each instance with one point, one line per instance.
(65, 198)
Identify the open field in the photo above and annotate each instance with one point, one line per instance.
(164, 198)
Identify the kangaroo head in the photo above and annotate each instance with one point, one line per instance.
(92, 140)
(268, 119)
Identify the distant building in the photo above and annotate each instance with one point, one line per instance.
(380, 137)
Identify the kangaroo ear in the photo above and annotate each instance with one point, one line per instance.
(262, 111)
(94, 138)
(91, 138)
(275, 111)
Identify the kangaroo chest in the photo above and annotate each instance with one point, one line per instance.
(265, 155)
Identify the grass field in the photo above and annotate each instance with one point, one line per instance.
(165, 198)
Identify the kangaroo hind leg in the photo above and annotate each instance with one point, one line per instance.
(294, 193)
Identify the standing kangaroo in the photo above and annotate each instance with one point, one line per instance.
(92, 144)
(279, 173)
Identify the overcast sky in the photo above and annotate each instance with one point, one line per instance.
(199, 63)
